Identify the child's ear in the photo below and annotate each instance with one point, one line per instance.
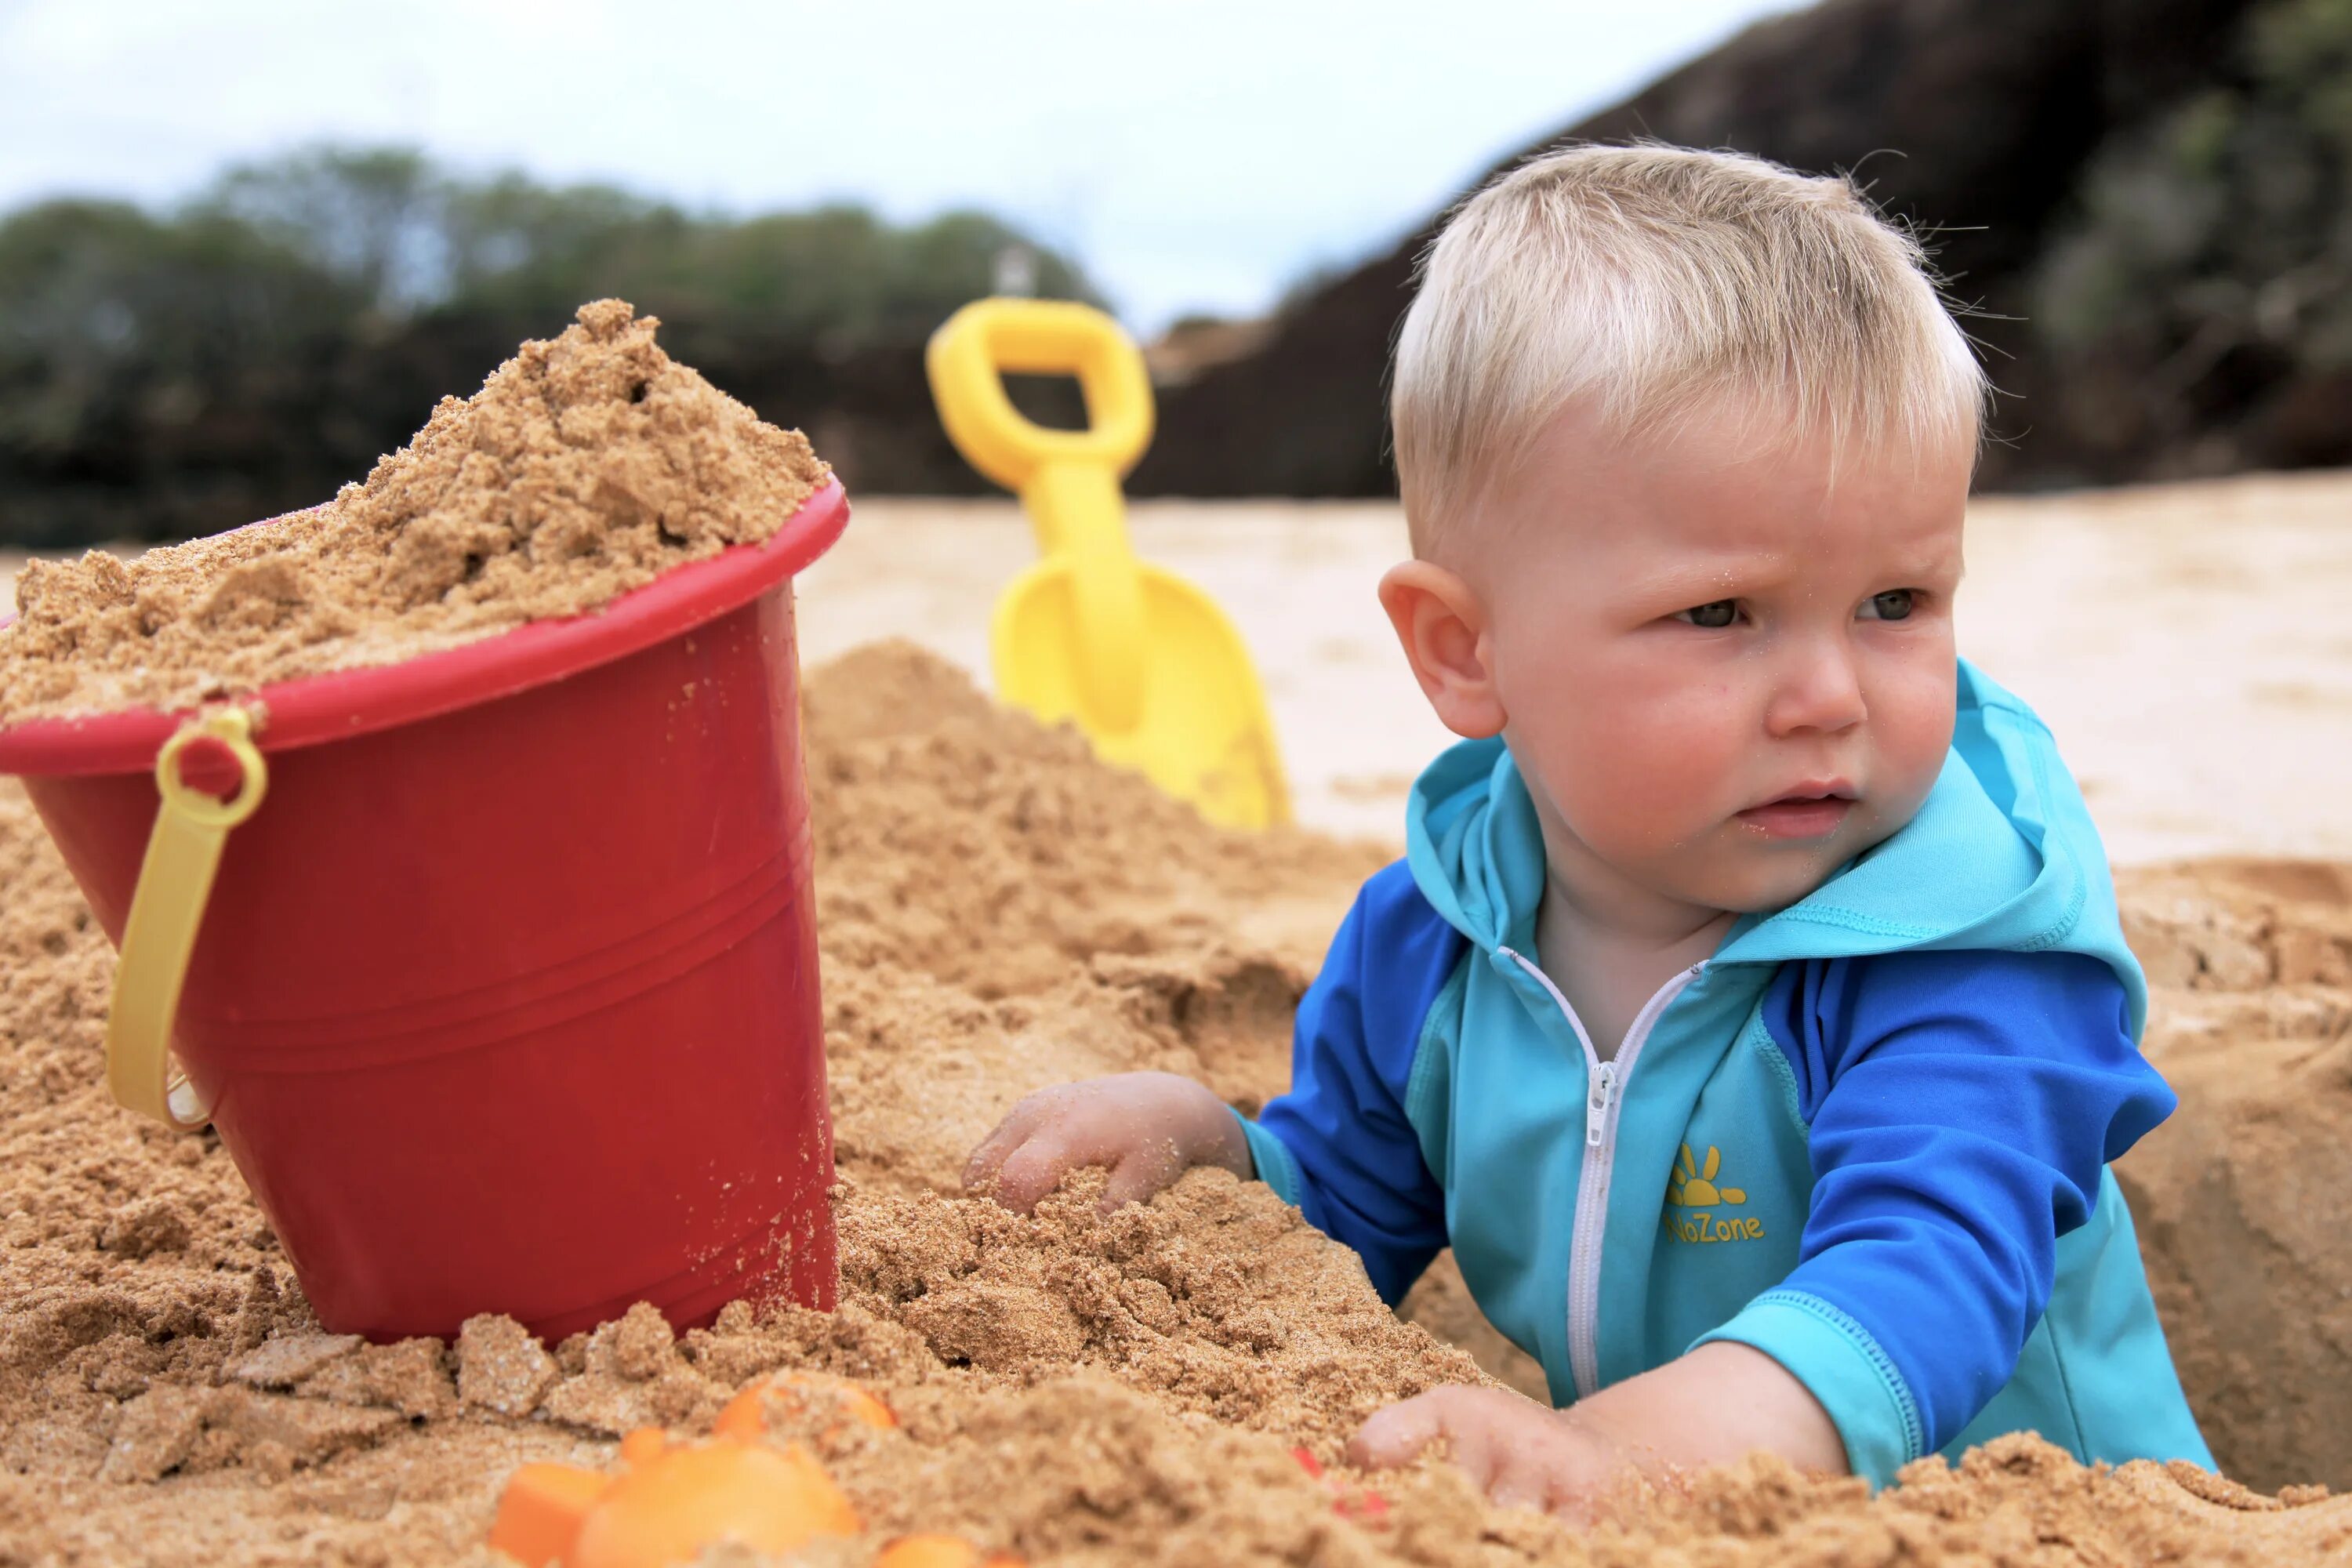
(1442, 627)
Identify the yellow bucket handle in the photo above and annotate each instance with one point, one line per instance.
(167, 910)
(1067, 479)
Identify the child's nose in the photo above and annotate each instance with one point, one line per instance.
(1816, 687)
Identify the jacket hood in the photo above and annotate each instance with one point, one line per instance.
(2001, 855)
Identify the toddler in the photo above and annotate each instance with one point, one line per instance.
(1749, 1012)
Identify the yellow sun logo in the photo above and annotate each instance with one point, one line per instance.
(1691, 1185)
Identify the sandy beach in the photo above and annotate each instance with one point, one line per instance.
(1127, 1391)
(2187, 643)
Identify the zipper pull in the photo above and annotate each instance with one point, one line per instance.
(1596, 1103)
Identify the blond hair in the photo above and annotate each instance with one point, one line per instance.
(1647, 281)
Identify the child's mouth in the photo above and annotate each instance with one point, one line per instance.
(1797, 818)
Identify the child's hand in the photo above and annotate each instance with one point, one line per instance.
(1709, 1406)
(1149, 1128)
(1520, 1453)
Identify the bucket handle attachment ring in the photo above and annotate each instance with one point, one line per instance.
(175, 882)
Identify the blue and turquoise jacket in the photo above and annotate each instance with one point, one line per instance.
(1869, 1136)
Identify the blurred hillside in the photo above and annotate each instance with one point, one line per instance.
(165, 374)
(2144, 203)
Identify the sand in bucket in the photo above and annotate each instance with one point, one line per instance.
(505, 998)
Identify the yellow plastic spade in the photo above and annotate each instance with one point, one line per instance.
(1144, 663)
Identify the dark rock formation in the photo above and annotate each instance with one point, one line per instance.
(1973, 118)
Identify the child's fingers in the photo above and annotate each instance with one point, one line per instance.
(1397, 1435)
(1517, 1480)
(1008, 1135)
(1031, 1171)
(1142, 1174)
(1058, 1145)
(1480, 1452)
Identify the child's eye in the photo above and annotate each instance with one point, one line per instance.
(1894, 604)
(1711, 617)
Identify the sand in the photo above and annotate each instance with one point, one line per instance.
(999, 912)
(586, 465)
(2128, 617)
(1083, 1389)
(2241, 1199)
(2186, 642)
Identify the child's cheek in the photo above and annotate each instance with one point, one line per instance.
(1638, 778)
(1913, 719)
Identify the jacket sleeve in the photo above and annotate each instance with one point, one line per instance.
(1962, 1108)
(1339, 1145)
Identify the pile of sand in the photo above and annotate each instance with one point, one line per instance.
(2242, 1197)
(998, 911)
(585, 466)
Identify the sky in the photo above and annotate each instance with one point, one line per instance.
(1195, 156)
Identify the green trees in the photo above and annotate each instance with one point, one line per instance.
(2199, 304)
(177, 373)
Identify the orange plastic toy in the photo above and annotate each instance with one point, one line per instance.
(941, 1552)
(671, 1501)
(798, 1393)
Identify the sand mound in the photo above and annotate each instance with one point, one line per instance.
(998, 912)
(2242, 1199)
(586, 466)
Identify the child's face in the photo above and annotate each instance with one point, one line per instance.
(1678, 635)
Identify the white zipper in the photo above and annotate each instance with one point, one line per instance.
(1604, 1101)
(1597, 1103)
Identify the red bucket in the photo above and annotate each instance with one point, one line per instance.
(505, 998)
